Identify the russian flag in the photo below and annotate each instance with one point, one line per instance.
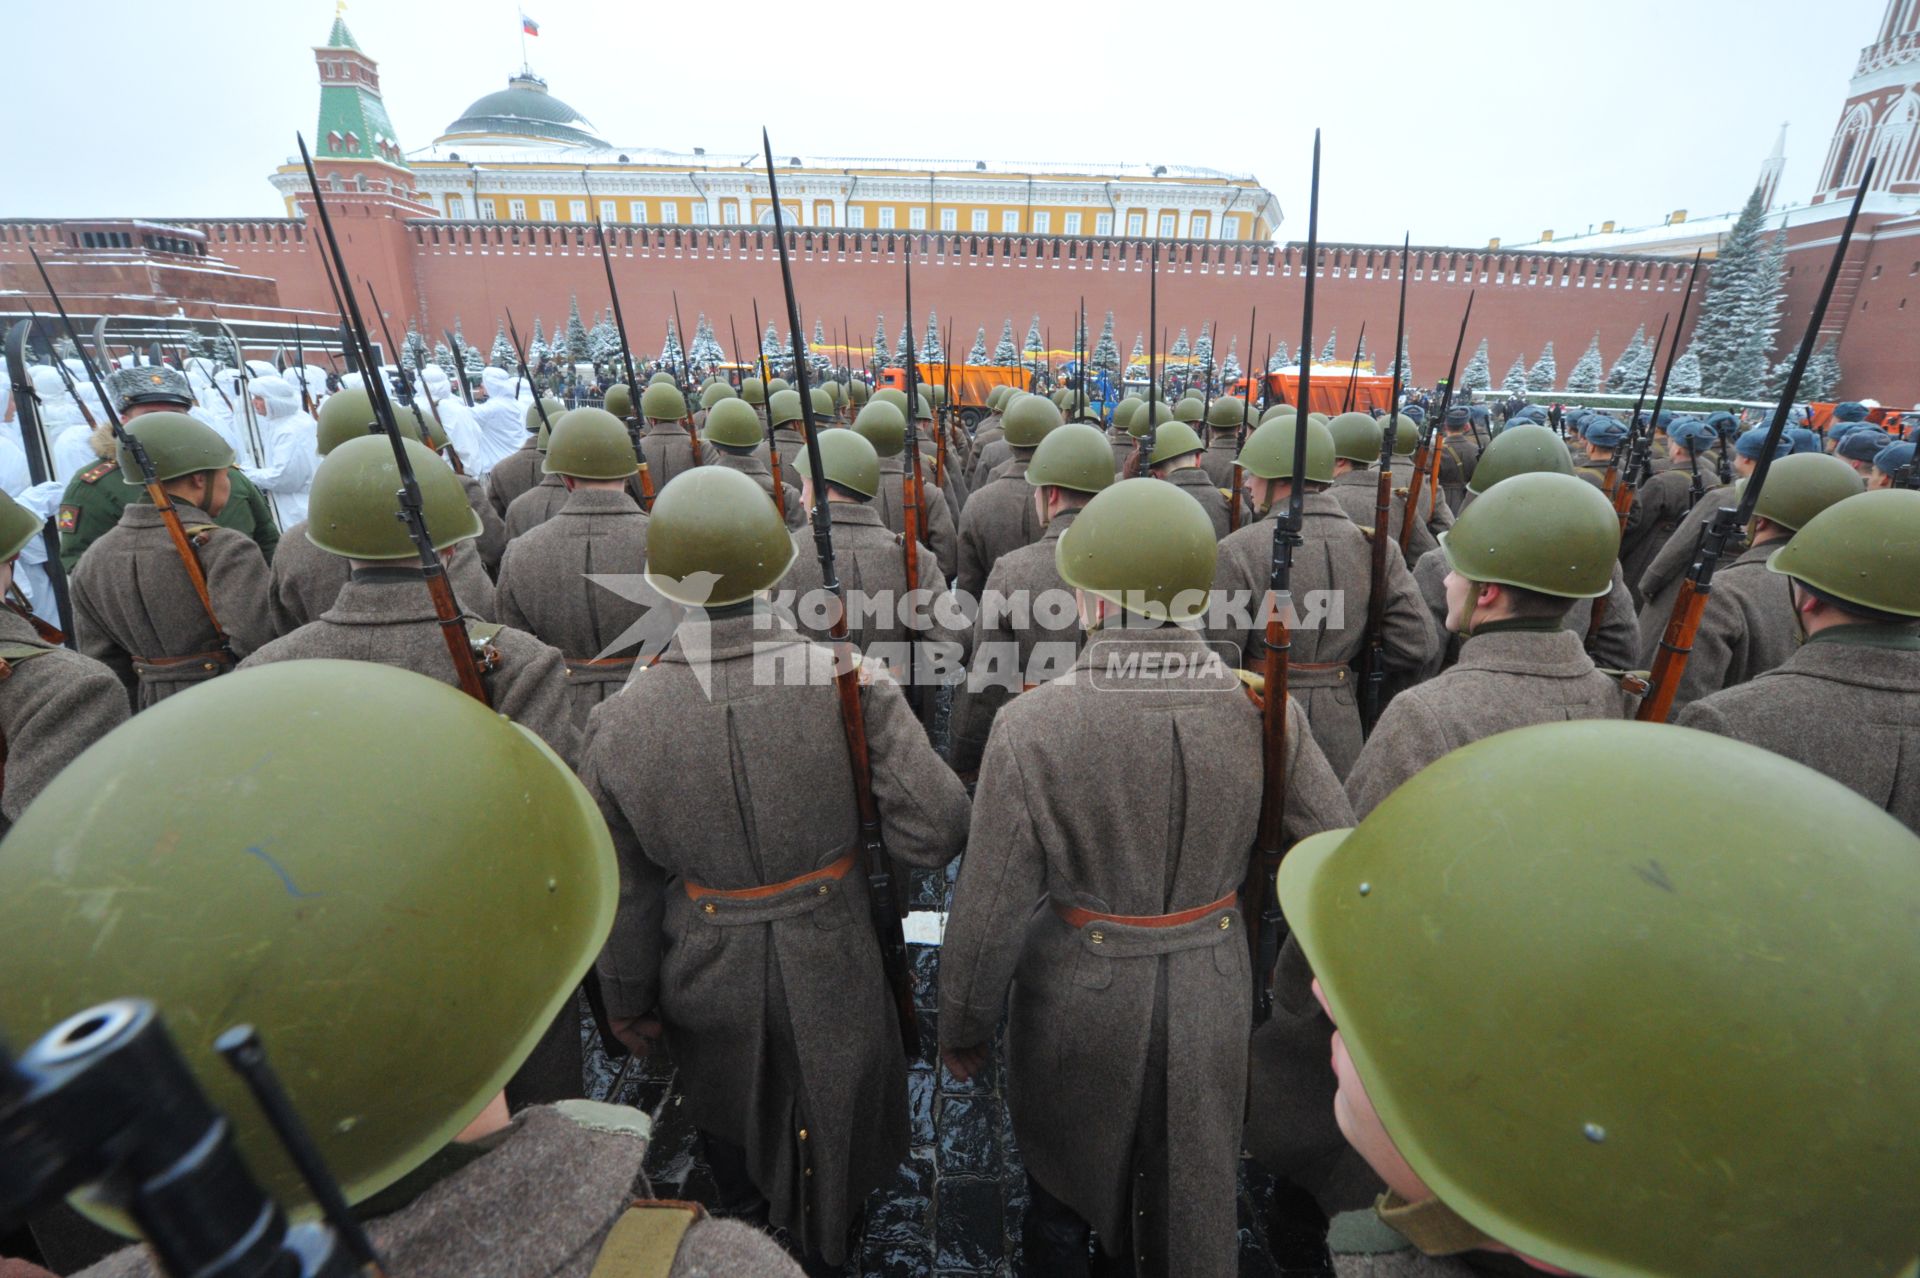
(529, 26)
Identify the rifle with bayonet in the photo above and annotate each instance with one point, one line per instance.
(1234, 498)
(453, 626)
(161, 499)
(300, 362)
(773, 447)
(885, 913)
(1353, 370)
(60, 367)
(1610, 483)
(1430, 437)
(1683, 623)
(1373, 664)
(1142, 459)
(626, 360)
(913, 514)
(459, 365)
(1260, 902)
(33, 438)
(1640, 468)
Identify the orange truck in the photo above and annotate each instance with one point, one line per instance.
(1329, 391)
(971, 382)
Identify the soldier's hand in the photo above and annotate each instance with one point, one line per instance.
(964, 1062)
(639, 1033)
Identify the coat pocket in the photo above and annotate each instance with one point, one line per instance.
(1091, 969)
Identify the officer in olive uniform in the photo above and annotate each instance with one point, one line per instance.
(885, 427)
(1128, 1023)
(520, 469)
(1610, 1035)
(1847, 702)
(1516, 560)
(94, 499)
(135, 605)
(742, 935)
(546, 585)
(54, 702)
(736, 437)
(393, 1039)
(1177, 451)
(1001, 515)
(1027, 631)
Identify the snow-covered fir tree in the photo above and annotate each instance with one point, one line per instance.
(603, 342)
(1331, 350)
(1181, 348)
(779, 354)
(705, 352)
(1820, 380)
(816, 344)
(1005, 353)
(978, 355)
(1739, 311)
(672, 355)
(1034, 344)
(443, 357)
(1280, 359)
(469, 355)
(1543, 373)
(930, 351)
(1204, 369)
(538, 353)
(413, 349)
(1139, 357)
(1630, 369)
(878, 355)
(1106, 352)
(1476, 376)
(576, 347)
(1515, 382)
(502, 355)
(1686, 373)
(1230, 366)
(1585, 377)
(900, 347)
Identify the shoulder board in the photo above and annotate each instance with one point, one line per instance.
(98, 471)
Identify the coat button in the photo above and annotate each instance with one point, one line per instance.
(1226, 922)
(1096, 937)
(803, 1133)
(710, 908)
(821, 890)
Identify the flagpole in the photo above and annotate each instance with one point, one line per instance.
(525, 66)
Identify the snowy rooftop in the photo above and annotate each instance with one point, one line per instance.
(1640, 237)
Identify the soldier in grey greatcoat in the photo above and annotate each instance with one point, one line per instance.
(1661, 504)
(1000, 516)
(733, 433)
(1127, 1022)
(1356, 484)
(667, 441)
(742, 935)
(1459, 454)
(1176, 459)
(885, 427)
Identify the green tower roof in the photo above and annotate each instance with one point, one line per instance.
(340, 37)
(353, 119)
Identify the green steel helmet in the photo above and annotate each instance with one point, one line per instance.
(925, 406)
(1175, 439)
(1356, 437)
(540, 437)
(176, 444)
(1521, 449)
(715, 392)
(892, 395)
(777, 385)
(836, 393)
(662, 377)
(715, 540)
(1124, 413)
(18, 526)
(712, 379)
(346, 414)
(884, 426)
(1864, 551)
(1801, 486)
(1075, 456)
(994, 395)
(783, 407)
(1086, 410)
(1190, 409)
(1269, 451)
(353, 506)
(1277, 410)
(733, 422)
(590, 443)
(1230, 412)
(937, 392)
(858, 392)
(1683, 1026)
(824, 404)
(1160, 417)
(1028, 419)
(547, 404)
(1551, 533)
(1143, 545)
(400, 946)
(1059, 398)
(663, 402)
(847, 459)
(753, 390)
(618, 400)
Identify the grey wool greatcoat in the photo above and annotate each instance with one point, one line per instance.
(1124, 446)
(492, 541)
(386, 615)
(1029, 634)
(938, 531)
(988, 431)
(1001, 517)
(54, 703)
(988, 459)
(1748, 627)
(544, 590)
(1846, 704)
(792, 513)
(1193, 481)
(1660, 581)
(793, 454)
(1659, 505)
(1331, 582)
(135, 609)
(1459, 454)
(669, 449)
(1505, 678)
(1358, 492)
(956, 488)
(776, 1010)
(307, 579)
(1130, 786)
(871, 562)
(1616, 647)
(513, 474)
(1223, 448)
(1438, 519)
(536, 505)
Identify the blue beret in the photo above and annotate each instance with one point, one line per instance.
(1752, 442)
(1801, 440)
(1604, 432)
(1849, 412)
(1891, 458)
(1693, 434)
(1861, 443)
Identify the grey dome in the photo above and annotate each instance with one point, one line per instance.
(525, 109)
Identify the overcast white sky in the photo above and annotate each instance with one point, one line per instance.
(1457, 119)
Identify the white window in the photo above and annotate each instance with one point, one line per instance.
(886, 217)
(979, 219)
(917, 218)
(1197, 227)
(576, 210)
(699, 211)
(1229, 228)
(1072, 226)
(1136, 223)
(1103, 224)
(547, 213)
(609, 211)
(730, 213)
(669, 212)
(456, 207)
(1010, 220)
(822, 213)
(486, 210)
(856, 216)
(1167, 221)
(517, 210)
(1042, 223)
(949, 219)
(636, 210)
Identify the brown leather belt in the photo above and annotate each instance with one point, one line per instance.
(1075, 917)
(207, 661)
(599, 663)
(835, 870)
